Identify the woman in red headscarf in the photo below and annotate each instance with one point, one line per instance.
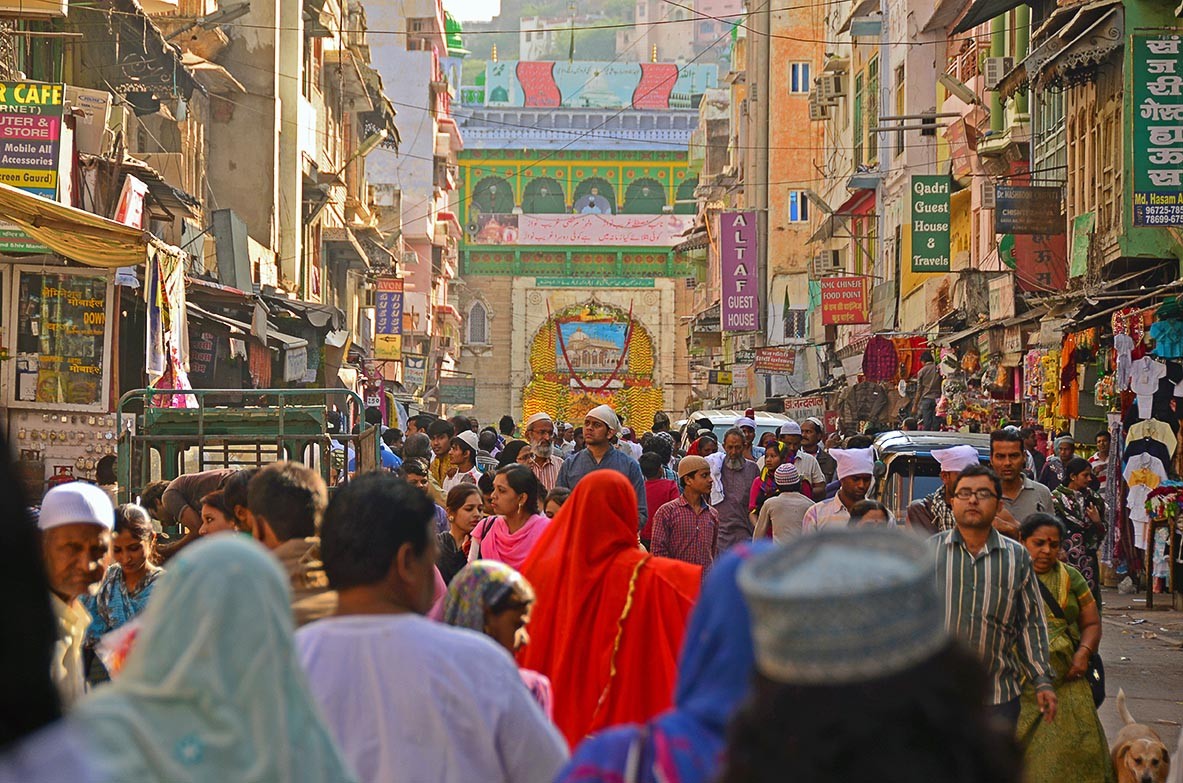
(609, 618)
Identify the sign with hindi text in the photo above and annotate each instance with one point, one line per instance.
(844, 300)
(738, 235)
(776, 361)
(1157, 76)
(930, 223)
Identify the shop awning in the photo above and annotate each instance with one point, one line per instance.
(283, 341)
(79, 235)
(981, 11)
(344, 244)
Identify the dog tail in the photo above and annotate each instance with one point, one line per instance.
(1121, 708)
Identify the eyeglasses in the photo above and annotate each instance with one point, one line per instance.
(980, 494)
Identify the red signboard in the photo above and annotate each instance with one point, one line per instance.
(845, 300)
(776, 361)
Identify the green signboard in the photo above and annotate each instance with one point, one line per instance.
(593, 282)
(930, 222)
(1157, 73)
(30, 134)
(457, 390)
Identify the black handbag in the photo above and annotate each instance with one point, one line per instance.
(1096, 671)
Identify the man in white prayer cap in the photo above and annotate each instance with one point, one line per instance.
(934, 513)
(599, 425)
(856, 468)
(545, 462)
(76, 522)
(747, 425)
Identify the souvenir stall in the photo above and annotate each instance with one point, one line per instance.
(979, 390)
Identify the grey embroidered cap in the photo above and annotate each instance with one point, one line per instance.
(843, 606)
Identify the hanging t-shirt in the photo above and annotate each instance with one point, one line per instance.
(1142, 473)
(1158, 430)
(1148, 446)
(1124, 345)
(1145, 373)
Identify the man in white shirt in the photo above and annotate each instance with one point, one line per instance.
(76, 521)
(855, 470)
(406, 698)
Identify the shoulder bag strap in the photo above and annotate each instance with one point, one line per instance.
(1050, 600)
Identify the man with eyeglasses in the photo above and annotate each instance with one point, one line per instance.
(992, 598)
(540, 432)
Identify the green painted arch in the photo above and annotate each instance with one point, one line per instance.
(645, 196)
(493, 194)
(543, 196)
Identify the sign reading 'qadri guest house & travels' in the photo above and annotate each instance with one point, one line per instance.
(738, 256)
(930, 223)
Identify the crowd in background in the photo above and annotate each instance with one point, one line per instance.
(574, 604)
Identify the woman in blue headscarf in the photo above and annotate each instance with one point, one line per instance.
(212, 690)
(685, 745)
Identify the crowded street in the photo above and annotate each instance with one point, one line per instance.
(638, 391)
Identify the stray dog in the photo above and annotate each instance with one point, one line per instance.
(1139, 755)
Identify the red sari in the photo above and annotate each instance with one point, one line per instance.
(608, 622)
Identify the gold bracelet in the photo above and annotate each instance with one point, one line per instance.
(1090, 649)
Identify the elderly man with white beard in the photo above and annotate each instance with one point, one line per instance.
(545, 462)
(732, 475)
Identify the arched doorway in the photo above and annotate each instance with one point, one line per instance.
(645, 196)
(684, 201)
(493, 194)
(543, 196)
(595, 196)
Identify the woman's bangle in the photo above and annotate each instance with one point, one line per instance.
(1086, 647)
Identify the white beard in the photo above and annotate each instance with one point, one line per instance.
(541, 451)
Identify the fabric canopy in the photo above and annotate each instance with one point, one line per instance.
(75, 233)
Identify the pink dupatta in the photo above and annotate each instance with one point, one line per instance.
(497, 543)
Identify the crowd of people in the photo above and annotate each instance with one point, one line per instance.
(576, 604)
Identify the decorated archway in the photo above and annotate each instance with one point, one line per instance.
(590, 354)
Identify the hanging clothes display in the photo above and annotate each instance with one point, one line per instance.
(1145, 373)
(1142, 473)
(880, 360)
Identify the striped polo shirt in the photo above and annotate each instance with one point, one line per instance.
(993, 605)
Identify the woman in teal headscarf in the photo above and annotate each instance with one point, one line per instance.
(212, 690)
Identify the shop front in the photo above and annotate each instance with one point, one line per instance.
(1117, 369)
(60, 314)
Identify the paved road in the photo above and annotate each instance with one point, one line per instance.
(1143, 654)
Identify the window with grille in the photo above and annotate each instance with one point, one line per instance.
(478, 324)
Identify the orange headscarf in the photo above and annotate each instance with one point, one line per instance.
(609, 618)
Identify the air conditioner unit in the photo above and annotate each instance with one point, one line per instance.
(818, 111)
(988, 193)
(831, 86)
(410, 258)
(827, 263)
(995, 68)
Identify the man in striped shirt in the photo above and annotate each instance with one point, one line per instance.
(992, 600)
(545, 462)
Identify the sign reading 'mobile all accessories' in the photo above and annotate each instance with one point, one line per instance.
(30, 135)
(1157, 77)
(930, 222)
(738, 256)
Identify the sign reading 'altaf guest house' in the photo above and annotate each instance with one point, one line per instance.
(738, 254)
